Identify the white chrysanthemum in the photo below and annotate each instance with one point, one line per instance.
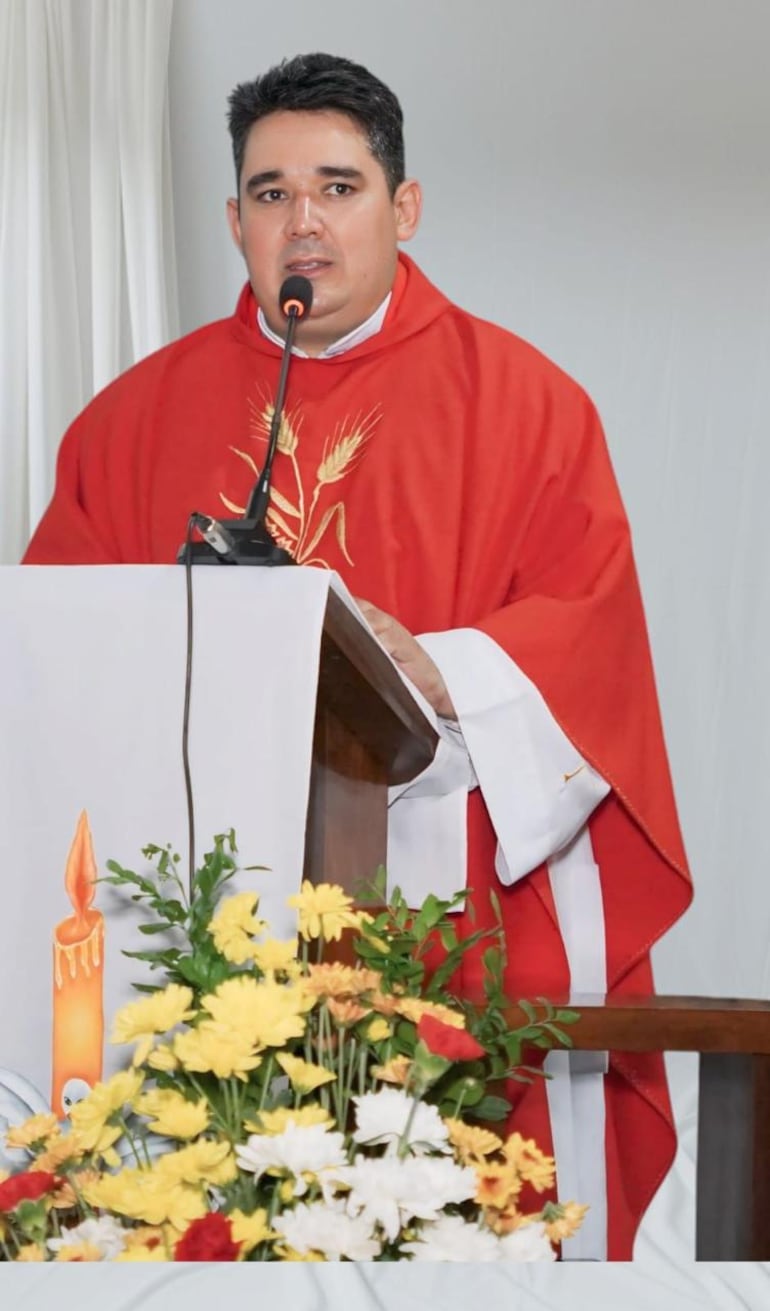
(391, 1192)
(382, 1117)
(300, 1150)
(324, 1227)
(530, 1243)
(104, 1232)
(451, 1238)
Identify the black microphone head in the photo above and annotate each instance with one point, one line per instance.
(296, 295)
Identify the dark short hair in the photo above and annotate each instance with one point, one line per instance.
(323, 82)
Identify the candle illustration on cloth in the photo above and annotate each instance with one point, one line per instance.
(78, 980)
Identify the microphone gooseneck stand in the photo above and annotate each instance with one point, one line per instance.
(238, 541)
(247, 540)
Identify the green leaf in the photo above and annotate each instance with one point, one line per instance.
(491, 1108)
(467, 1090)
(566, 1017)
(448, 937)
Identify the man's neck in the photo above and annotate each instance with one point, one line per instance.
(355, 337)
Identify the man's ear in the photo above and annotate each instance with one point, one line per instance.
(407, 203)
(234, 221)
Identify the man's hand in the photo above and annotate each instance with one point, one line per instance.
(413, 661)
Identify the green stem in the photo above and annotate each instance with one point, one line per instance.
(267, 1081)
(340, 1085)
(403, 1142)
(85, 1207)
(352, 1053)
(459, 1106)
(121, 1120)
(216, 1115)
(235, 1088)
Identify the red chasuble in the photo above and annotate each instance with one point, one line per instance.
(454, 477)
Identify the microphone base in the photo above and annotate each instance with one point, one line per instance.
(252, 545)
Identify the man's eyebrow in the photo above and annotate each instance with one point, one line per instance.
(271, 175)
(339, 171)
(260, 179)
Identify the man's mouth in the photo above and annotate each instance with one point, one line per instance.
(308, 267)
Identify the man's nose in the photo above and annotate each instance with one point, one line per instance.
(304, 219)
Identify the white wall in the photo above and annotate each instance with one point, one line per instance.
(597, 179)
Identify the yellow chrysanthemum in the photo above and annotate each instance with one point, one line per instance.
(347, 1011)
(81, 1179)
(149, 1195)
(533, 1166)
(250, 1230)
(324, 911)
(64, 1147)
(273, 1122)
(508, 1220)
(215, 1049)
(384, 1003)
(234, 926)
(471, 1142)
(140, 1021)
(162, 1058)
(264, 1012)
(289, 1254)
(378, 1030)
(134, 1254)
(304, 1077)
(149, 1236)
(37, 1129)
(497, 1185)
(31, 1252)
(207, 1161)
(413, 1008)
(395, 1070)
(63, 1198)
(173, 1115)
(91, 1116)
(79, 1252)
(564, 1220)
(276, 955)
(333, 979)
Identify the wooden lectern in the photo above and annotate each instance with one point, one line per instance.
(369, 734)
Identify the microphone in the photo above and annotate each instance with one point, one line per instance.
(295, 299)
(247, 540)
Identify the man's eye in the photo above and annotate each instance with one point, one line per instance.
(340, 188)
(269, 197)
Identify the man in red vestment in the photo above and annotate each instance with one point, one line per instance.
(460, 483)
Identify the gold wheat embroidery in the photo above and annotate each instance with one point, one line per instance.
(300, 526)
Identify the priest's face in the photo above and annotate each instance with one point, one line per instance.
(314, 201)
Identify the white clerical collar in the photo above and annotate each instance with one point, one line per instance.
(346, 343)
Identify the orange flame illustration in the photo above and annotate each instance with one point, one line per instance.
(80, 884)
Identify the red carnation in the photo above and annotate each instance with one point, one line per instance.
(445, 1040)
(27, 1186)
(208, 1239)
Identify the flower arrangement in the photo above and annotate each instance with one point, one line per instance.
(284, 1106)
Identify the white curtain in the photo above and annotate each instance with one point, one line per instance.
(87, 266)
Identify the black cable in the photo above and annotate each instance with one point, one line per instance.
(186, 715)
